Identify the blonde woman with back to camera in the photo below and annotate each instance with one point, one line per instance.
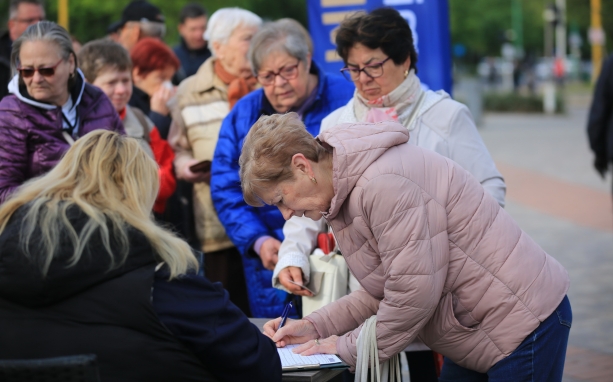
(436, 256)
(84, 269)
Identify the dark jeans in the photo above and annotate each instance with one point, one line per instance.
(540, 357)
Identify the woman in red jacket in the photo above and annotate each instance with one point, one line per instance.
(107, 65)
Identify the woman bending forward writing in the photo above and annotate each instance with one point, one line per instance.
(436, 256)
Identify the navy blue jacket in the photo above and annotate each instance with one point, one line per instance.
(245, 224)
(190, 60)
(200, 315)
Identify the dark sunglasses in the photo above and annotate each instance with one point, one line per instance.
(45, 72)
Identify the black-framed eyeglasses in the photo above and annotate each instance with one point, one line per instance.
(372, 70)
(288, 72)
(45, 72)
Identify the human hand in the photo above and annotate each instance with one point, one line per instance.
(194, 177)
(289, 274)
(320, 346)
(293, 332)
(159, 99)
(269, 253)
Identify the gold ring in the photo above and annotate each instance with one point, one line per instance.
(317, 341)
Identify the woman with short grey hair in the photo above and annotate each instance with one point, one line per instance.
(280, 56)
(49, 106)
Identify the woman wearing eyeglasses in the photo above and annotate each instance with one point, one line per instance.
(280, 57)
(50, 106)
(380, 60)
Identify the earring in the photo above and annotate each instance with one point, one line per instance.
(406, 73)
(314, 180)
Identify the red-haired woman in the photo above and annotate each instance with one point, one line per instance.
(154, 64)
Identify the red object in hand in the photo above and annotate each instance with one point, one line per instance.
(325, 241)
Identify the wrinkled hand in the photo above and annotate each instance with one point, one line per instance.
(293, 332)
(293, 274)
(269, 253)
(323, 346)
(193, 177)
(160, 98)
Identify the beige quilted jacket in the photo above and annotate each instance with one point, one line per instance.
(198, 109)
(436, 256)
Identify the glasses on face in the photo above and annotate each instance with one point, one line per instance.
(45, 72)
(372, 70)
(288, 72)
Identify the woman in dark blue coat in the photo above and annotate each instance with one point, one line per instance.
(280, 55)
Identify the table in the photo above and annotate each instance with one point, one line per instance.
(323, 375)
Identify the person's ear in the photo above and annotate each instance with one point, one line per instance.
(308, 62)
(407, 63)
(71, 61)
(136, 77)
(301, 164)
(217, 47)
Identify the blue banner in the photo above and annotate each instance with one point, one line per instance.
(428, 19)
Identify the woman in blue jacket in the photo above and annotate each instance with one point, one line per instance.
(280, 55)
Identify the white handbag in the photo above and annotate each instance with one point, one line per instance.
(328, 280)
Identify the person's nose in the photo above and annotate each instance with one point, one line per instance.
(121, 89)
(37, 77)
(279, 81)
(286, 212)
(364, 78)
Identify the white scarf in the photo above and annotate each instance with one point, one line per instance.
(397, 105)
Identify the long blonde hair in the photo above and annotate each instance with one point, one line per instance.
(114, 182)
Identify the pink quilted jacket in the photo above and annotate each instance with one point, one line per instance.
(436, 256)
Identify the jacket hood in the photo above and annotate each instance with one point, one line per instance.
(21, 279)
(355, 148)
(76, 92)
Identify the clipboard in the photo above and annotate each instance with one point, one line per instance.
(295, 362)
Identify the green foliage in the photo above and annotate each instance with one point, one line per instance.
(90, 18)
(480, 25)
(514, 102)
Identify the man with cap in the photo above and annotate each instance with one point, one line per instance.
(22, 14)
(139, 19)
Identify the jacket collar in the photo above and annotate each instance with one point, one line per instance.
(76, 92)
(200, 51)
(355, 147)
(206, 79)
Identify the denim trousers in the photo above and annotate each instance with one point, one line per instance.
(539, 358)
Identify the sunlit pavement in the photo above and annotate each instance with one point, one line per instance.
(560, 201)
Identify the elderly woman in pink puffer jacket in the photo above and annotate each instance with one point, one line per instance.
(436, 256)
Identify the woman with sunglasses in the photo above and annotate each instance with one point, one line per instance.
(50, 106)
(380, 60)
(280, 57)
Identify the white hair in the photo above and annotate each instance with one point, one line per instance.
(224, 21)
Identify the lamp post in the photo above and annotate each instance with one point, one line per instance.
(62, 13)
(596, 37)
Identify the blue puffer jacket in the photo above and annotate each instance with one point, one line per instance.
(245, 224)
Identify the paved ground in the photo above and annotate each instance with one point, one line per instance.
(558, 199)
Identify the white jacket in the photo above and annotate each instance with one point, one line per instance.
(441, 125)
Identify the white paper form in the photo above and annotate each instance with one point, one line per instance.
(291, 360)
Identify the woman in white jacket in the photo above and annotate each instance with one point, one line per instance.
(380, 59)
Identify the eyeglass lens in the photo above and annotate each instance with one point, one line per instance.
(287, 73)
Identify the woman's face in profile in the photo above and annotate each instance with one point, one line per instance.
(51, 86)
(372, 88)
(298, 197)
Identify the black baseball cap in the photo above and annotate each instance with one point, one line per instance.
(138, 10)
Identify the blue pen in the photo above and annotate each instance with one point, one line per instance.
(286, 311)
